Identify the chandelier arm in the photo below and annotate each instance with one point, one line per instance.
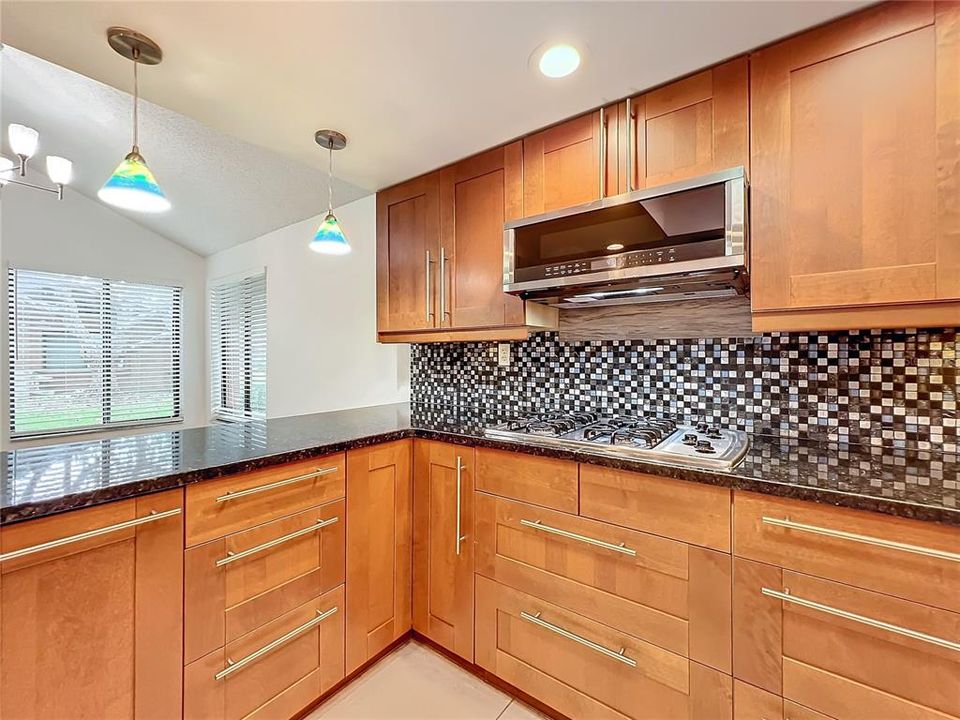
(58, 190)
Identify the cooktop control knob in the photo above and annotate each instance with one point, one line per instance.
(704, 446)
(714, 433)
(689, 439)
(701, 427)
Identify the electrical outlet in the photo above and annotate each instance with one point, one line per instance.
(503, 354)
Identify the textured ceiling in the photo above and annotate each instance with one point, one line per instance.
(413, 85)
(224, 191)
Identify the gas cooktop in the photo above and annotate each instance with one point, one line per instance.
(644, 437)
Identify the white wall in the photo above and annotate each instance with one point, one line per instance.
(83, 237)
(322, 351)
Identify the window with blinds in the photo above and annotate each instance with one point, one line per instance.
(89, 353)
(238, 346)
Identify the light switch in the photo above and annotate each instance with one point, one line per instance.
(503, 354)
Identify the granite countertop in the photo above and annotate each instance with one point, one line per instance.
(55, 478)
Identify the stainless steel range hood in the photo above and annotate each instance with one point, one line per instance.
(672, 242)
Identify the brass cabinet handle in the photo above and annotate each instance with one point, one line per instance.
(460, 538)
(603, 153)
(537, 525)
(618, 656)
(233, 667)
(152, 517)
(865, 539)
(233, 495)
(233, 557)
(629, 144)
(862, 619)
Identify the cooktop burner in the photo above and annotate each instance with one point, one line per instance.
(649, 437)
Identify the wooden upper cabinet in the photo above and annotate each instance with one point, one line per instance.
(856, 172)
(692, 127)
(378, 549)
(562, 164)
(92, 628)
(408, 244)
(443, 544)
(477, 196)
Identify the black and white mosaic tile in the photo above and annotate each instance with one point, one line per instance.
(894, 388)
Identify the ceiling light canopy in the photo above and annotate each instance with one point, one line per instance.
(329, 238)
(132, 185)
(559, 60)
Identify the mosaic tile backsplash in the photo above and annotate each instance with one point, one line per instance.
(895, 388)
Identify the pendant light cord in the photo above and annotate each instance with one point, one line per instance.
(136, 98)
(330, 177)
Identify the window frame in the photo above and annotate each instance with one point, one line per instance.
(176, 346)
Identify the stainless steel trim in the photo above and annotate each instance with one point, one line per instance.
(603, 153)
(152, 517)
(734, 223)
(537, 525)
(460, 538)
(443, 285)
(736, 173)
(865, 539)
(233, 495)
(684, 267)
(509, 242)
(233, 557)
(862, 619)
(630, 120)
(619, 656)
(426, 285)
(233, 667)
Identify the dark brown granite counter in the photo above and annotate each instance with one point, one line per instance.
(56, 478)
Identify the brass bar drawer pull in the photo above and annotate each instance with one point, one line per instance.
(621, 548)
(619, 656)
(233, 667)
(864, 620)
(234, 494)
(152, 517)
(233, 557)
(865, 539)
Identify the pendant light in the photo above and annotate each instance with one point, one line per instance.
(132, 186)
(329, 238)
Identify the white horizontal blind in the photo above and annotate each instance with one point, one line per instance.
(238, 344)
(89, 353)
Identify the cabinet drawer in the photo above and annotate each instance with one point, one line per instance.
(751, 703)
(238, 583)
(694, 513)
(843, 651)
(216, 508)
(909, 559)
(668, 593)
(585, 669)
(275, 665)
(538, 480)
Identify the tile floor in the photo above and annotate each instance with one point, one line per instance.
(415, 683)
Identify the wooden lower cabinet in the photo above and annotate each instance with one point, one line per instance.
(443, 544)
(237, 583)
(668, 593)
(752, 703)
(273, 671)
(588, 670)
(92, 628)
(379, 555)
(841, 651)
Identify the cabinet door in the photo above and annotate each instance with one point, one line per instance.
(408, 232)
(561, 165)
(476, 197)
(692, 127)
(93, 627)
(443, 544)
(378, 549)
(855, 146)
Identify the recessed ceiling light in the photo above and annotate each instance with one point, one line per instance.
(559, 60)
